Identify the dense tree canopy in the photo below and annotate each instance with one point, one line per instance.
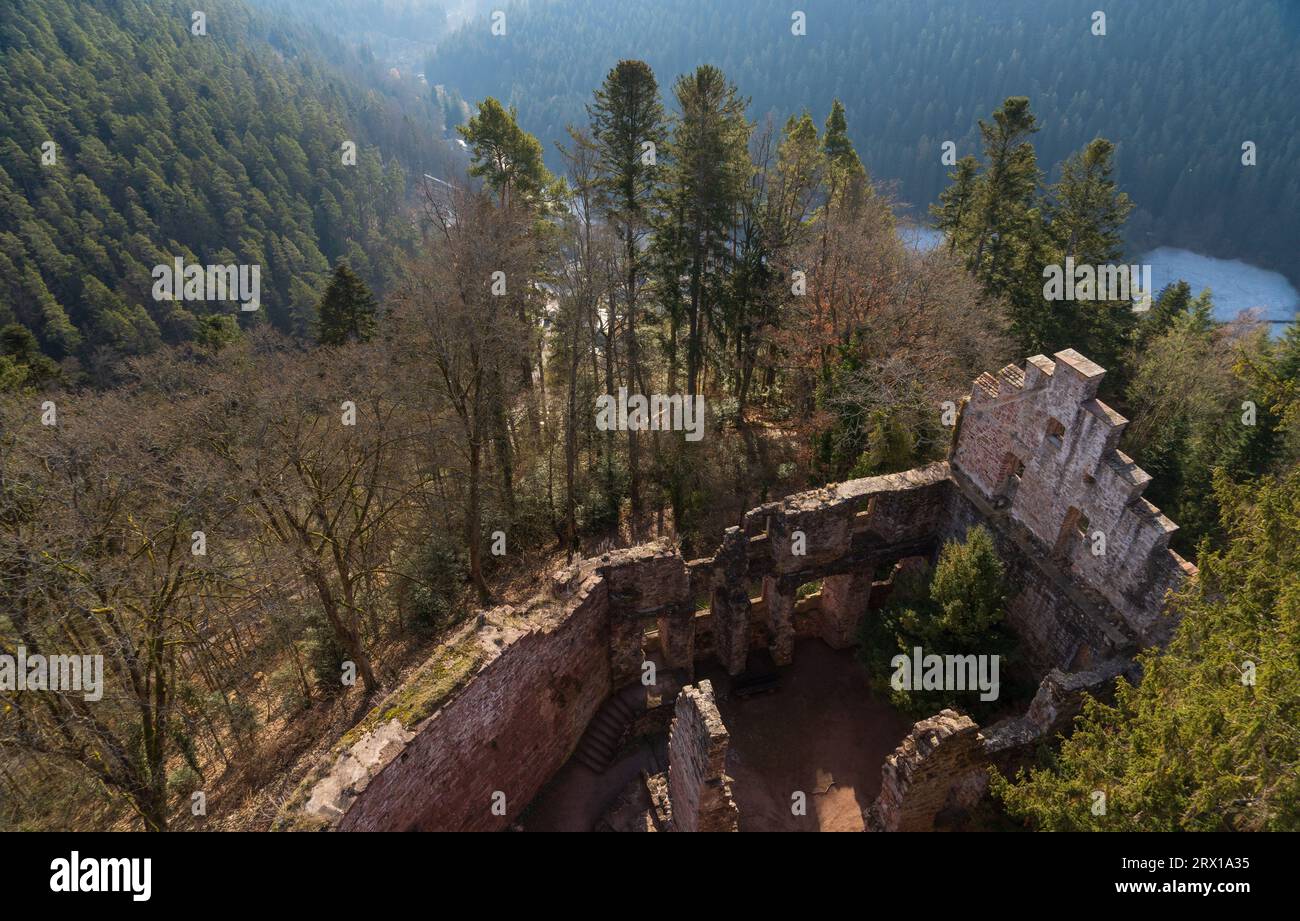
(220, 148)
(1207, 740)
(1178, 86)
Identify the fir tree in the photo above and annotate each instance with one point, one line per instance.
(347, 311)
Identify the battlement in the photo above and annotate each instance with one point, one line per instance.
(1041, 446)
(502, 704)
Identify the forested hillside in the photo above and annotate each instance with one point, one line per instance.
(127, 141)
(1178, 85)
(396, 32)
(263, 531)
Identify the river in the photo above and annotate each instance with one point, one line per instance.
(1236, 285)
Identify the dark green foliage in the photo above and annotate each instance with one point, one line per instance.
(506, 157)
(224, 149)
(956, 609)
(436, 582)
(1010, 233)
(968, 590)
(324, 655)
(21, 361)
(707, 174)
(347, 311)
(626, 114)
(1174, 84)
(216, 331)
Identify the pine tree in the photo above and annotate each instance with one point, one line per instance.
(709, 171)
(956, 205)
(1008, 187)
(506, 156)
(347, 311)
(1087, 214)
(1207, 740)
(846, 177)
(627, 126)
(1088, 211)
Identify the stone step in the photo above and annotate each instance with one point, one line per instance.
(607, 734)
(600, 741)
(590, 763)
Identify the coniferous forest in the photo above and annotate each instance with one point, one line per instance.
(265, 521)
(1177, 87)
(218, 152)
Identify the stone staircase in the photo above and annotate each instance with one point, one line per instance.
(600, 743)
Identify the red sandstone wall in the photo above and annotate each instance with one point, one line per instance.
(510, 730)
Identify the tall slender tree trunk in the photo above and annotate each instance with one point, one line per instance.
(501, 447)
(610, 497)
(473, 524)
(571, 445)
(346, 633)
(693, 329)
(635, 384)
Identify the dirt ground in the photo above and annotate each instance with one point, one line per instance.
(577, 796)
(821, 733)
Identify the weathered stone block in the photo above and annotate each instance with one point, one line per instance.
(845, 600)
(645, 579)
(778, 602)
(699, 789)
(939, 767)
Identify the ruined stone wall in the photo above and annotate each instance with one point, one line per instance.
(941, 770)
(939, 767)
(1058, 622)
(1039, 443)
(501, 707)
(839, 534)
(699, 790)
(543, 675)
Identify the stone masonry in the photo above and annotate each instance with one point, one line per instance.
(940, 766)
(470, 739)
(699, 790)
(1039, 443)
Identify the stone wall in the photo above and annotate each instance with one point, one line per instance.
(699, 790)
(941, 770)
(505, 735)
(501, 706)
(1039, 443)
(939, 767)
(1059, 621)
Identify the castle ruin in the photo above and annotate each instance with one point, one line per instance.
(484, 725)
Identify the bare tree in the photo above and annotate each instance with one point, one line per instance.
(98, 522)
(319, 449)
(458, 336)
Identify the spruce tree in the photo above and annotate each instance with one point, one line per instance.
(1008, 216)
(846, 177)
(953, 214)
(1087, 214)
(708, 176)
(627, 126)
(347, 311)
